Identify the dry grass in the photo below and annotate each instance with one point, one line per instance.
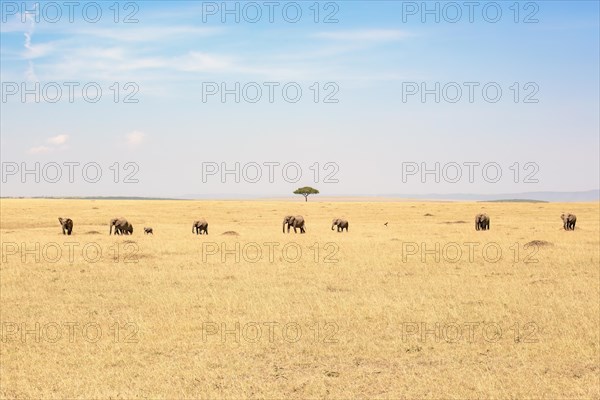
(365, 305)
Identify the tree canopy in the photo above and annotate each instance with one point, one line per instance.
(306, 191)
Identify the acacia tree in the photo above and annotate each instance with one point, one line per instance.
(305, 191)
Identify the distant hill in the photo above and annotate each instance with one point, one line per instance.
(529, 197)
(93, 198)
(558, 197)
(514, 201)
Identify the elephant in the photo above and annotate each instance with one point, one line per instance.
(341, 224)
(122, 227)
(482, 222)
(67, 225)
(200, 226)
(569, 221)
(148, 231)
(294, 222)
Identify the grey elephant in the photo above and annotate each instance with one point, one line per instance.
(148, 231)
(569, 221)
(482, 222)
(122, 226)
(296, 222)
(340, 223)
(67, 225)
(200, 226)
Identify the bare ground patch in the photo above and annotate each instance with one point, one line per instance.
(539, 243)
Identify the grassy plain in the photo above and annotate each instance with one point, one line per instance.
(363, 314)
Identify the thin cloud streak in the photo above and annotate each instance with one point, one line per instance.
(370, 35)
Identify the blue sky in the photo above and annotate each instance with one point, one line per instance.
(370, 55)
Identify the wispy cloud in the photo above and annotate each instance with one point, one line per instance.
(39, 150)
(151, 33)
(371, 35)
(52, 143)
(135, 138)
(30, 71)
(58, 139)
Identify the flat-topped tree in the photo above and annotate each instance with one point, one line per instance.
(306, 191)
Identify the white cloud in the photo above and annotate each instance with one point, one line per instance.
(135, 138)
(59, 139)
(371, 35)
(40, 150)
(54, 143)
(200, 62)
(30, 73)
(151, 33)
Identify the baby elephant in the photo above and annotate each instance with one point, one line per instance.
(341, 224)
(67, 225)
(482, 222)
(569, 221)
(148, 230)
(200, 226)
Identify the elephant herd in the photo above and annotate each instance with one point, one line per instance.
(123, 227)
(482, 222)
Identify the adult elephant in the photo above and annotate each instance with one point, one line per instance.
(341, 224)
(482, 222)
(294, 221)
(122, 226)
(200, 226)
(569, 221)
(67, 225)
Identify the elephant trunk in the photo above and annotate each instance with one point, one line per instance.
(283, 230)
(332, 226)
(110, 229)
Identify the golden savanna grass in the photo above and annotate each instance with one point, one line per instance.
(351, 328)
